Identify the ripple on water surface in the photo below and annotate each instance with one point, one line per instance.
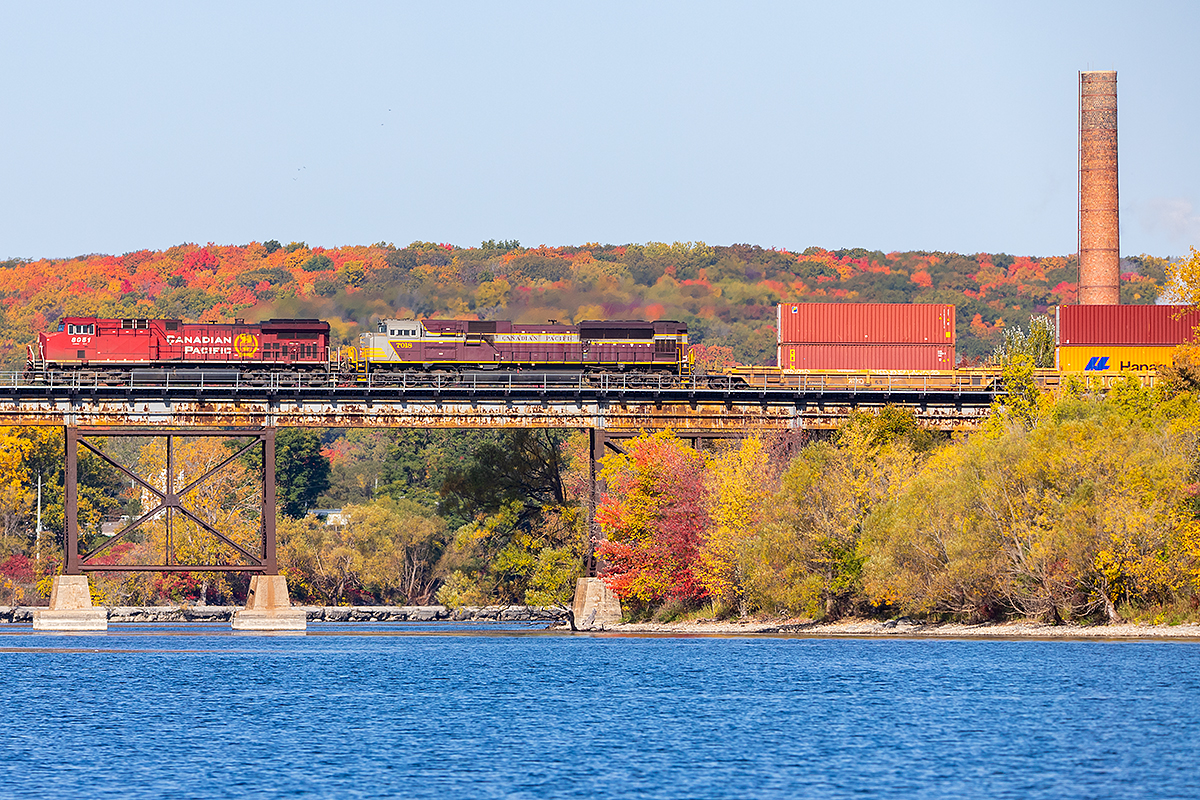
(476, 710)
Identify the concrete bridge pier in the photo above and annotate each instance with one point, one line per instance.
(596, 605)
(268, 607)
(71, 607)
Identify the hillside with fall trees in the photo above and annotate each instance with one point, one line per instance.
(726, 294)
(878, 518)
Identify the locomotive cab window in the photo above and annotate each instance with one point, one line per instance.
(81, 330)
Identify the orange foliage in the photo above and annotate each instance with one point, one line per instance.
(712, 358)
(984, 330)
(655, 518)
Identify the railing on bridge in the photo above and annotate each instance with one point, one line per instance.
(742, 381)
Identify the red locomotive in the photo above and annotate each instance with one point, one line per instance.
(95, 342)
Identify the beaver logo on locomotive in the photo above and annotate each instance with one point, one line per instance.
(245, 345)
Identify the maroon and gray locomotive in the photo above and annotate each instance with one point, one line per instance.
(660, 345)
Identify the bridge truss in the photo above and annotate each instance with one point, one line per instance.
(232, 404)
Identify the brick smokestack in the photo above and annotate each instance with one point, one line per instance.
(1099, 237)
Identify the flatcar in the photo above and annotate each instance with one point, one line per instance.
(400, 344)
(95, 342)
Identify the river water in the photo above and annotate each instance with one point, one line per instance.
(475, 711)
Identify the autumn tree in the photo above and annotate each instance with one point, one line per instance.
(228, 501)
(807, 559)
(1183, 279)
(711, 358)
(738, 485)
(14, 493)
(1087, 510)
(385, 551)
(654, 516)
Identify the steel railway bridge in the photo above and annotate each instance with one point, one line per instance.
(620, 403)
(250, 407)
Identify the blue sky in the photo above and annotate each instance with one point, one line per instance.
(892, 126)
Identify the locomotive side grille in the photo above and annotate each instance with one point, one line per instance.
(616, 333)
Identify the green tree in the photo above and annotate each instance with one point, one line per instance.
(317, 263)
(1039, 344)
(301, 469)
(525, 467)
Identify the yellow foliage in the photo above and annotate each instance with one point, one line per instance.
(385, 548)
(1183, 280)
(588, 312)
(15, 496)
(737, 489)
(1090, 509)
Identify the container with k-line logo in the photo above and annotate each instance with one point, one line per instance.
(1113, 359)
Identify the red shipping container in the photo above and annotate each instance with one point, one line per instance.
(1126, 325)
(865, 323)
(865, 356)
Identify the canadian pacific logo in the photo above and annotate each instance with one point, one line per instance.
(245, 345)
(1097, 364)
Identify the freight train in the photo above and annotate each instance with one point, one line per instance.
(819, 345)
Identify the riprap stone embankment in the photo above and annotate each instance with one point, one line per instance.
(118, 614)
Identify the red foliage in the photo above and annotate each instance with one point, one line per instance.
(1066, 292)
(655, 519)
(201, 260)
(983, 330)
(17, 568)
(712, 358)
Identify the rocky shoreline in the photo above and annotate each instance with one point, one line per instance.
(119, 614)
(908, 628)
(557, 619)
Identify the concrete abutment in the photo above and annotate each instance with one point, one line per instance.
(268, 607)
(70, 607)
(596, 605)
